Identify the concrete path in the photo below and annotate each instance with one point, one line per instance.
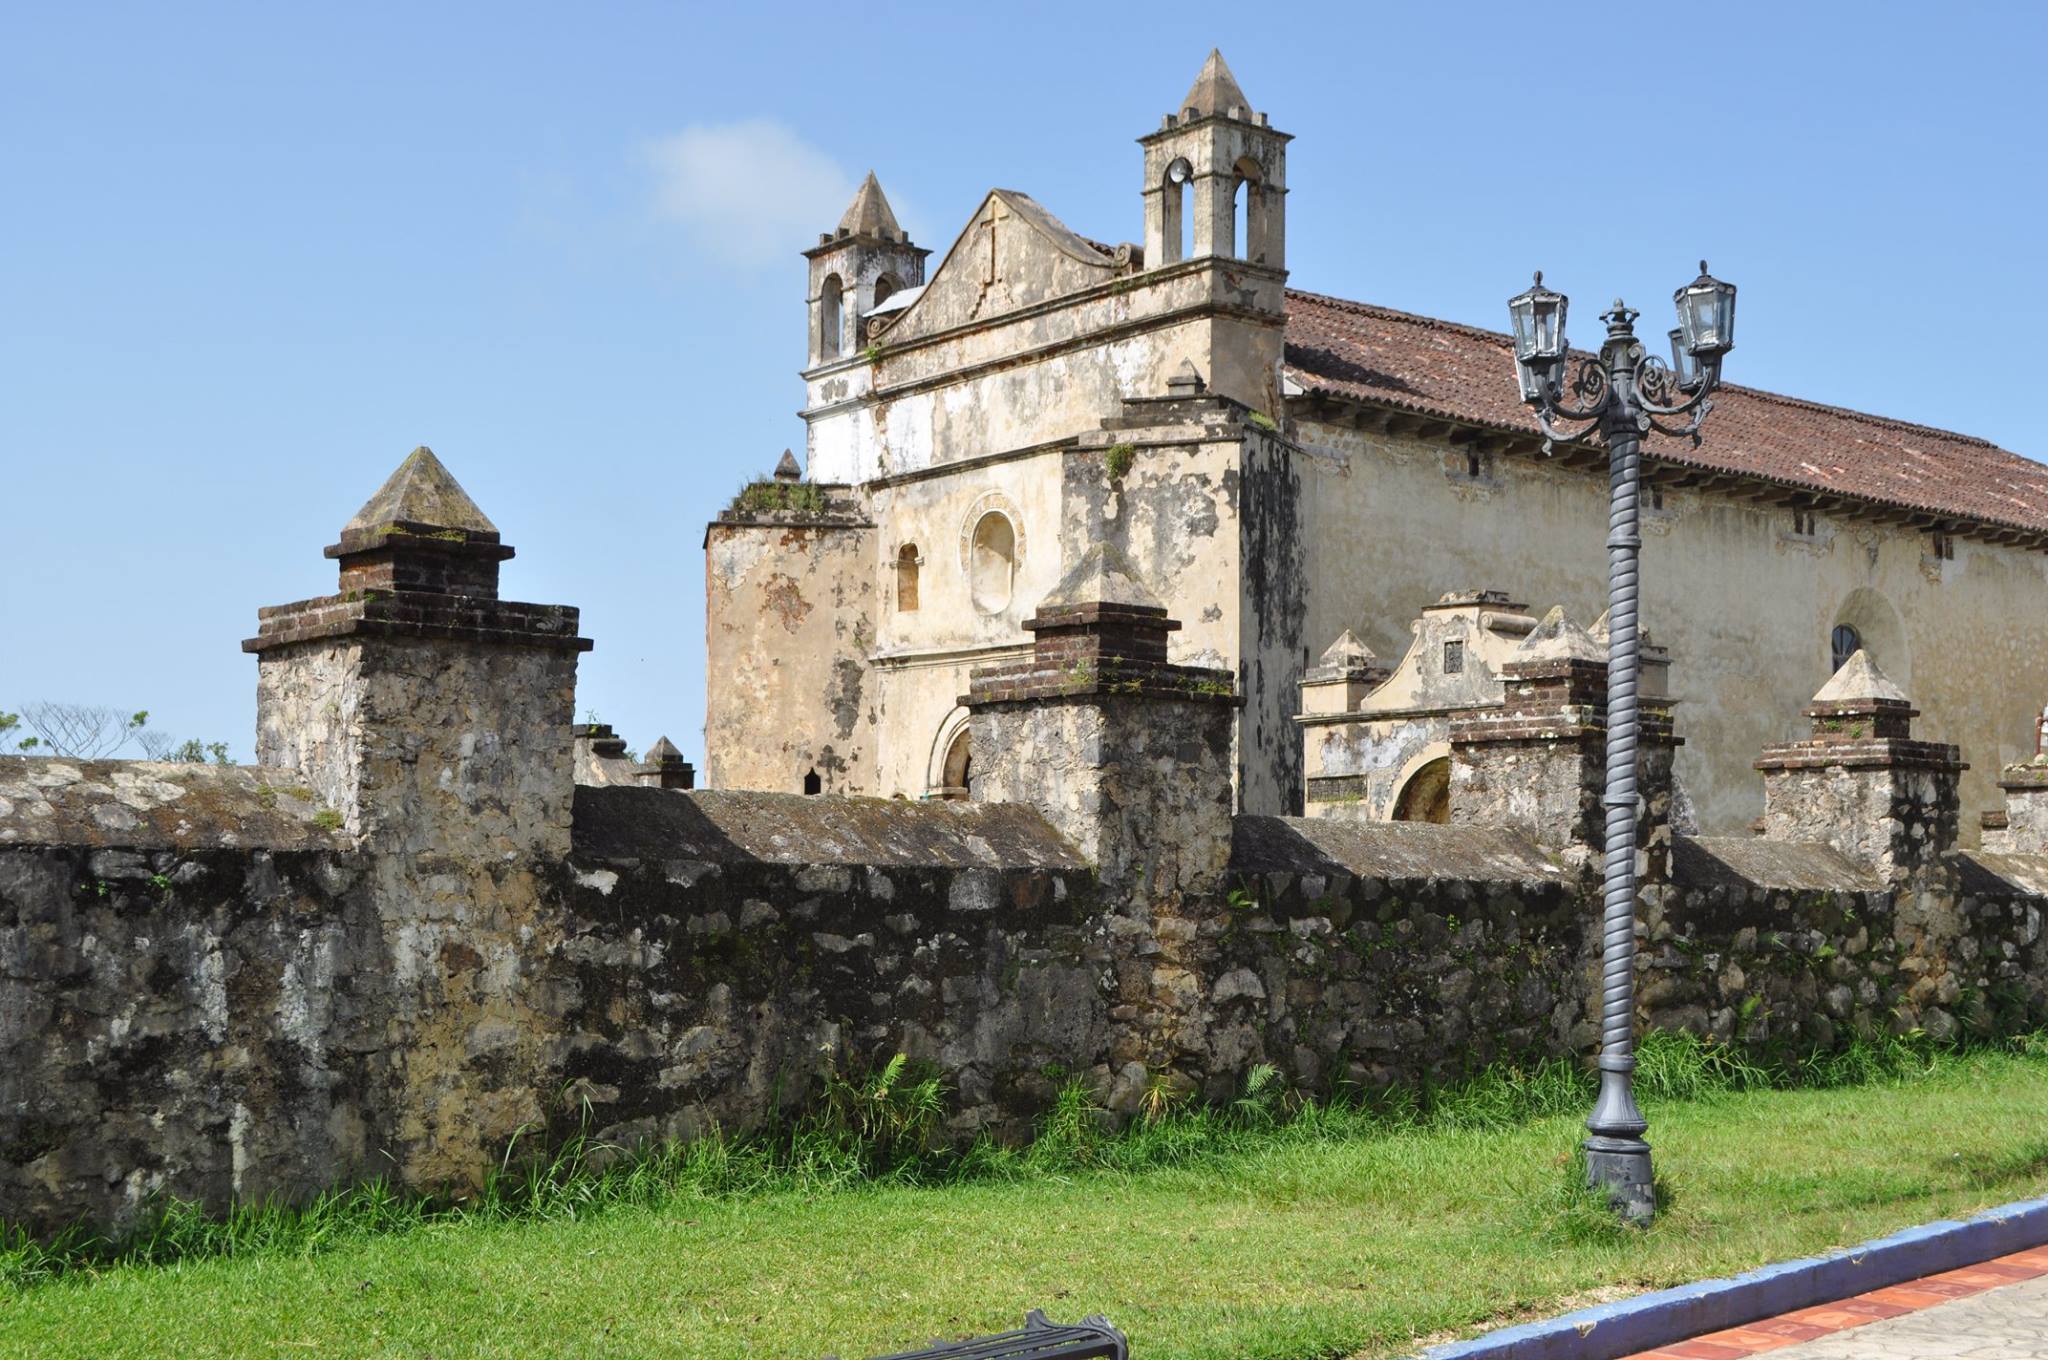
(1997, 1310)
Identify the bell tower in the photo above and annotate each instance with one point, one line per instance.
(856, 269)
(1216, 178)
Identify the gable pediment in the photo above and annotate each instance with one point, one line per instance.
(1011, 255)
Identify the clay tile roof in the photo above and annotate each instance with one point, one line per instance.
(1355, 351)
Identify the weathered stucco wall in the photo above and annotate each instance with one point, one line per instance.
(790, 601)
(1744, 605)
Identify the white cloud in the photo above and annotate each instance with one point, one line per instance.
(751, 193)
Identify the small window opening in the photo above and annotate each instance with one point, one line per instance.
(1454, 658)
(907, 563)
(1656, 498)
(1173, 212)
(1472, 464)
(1803, 523)
(829, 325)
(1843, 643)
(1944, 547)
(813, 784)
(885, 287)
(1248, 212)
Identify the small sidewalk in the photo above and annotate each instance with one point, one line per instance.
(1994, 1310)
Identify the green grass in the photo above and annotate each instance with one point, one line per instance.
(1273, 1229)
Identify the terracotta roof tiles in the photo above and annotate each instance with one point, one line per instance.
(1356, 351)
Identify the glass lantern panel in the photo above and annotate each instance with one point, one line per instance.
(1549, 326)
(1523, 311)
(1682, 363)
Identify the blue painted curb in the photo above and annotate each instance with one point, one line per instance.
(1651, 1320)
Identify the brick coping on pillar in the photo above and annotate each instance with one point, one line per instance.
(1861, 753)
(1107, 677)
(409, 614)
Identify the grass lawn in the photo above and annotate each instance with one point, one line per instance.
(1287, 1246)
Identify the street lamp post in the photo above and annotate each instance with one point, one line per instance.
(1622, 393)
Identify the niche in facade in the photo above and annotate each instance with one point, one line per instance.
(907, 563)
(992, 562)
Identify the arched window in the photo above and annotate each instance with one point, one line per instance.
(1247, 212)
(1844, 642)
(885, 286)
(1173, 211)
(829, 339)
(1426, 797)
(907, 563)
(992, 566)
(959, 765)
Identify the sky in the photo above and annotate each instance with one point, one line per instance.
(250, 256)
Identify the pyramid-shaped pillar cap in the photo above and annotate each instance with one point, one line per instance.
(1348, 658)
(665, 767)
(420, 499)
(420, 533)
(1859, 681)
(1216, 92)
(1103, 576)
(1557, 638)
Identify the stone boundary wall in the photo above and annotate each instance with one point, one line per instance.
(230, 1023)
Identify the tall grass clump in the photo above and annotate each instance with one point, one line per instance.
(887, 1126)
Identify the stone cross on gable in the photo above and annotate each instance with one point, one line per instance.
(996, 213)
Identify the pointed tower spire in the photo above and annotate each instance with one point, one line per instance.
(869, 214)
(1216, 91)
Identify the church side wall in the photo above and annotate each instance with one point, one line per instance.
(789, 622)
(1745, 605)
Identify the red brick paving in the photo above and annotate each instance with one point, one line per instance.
(1808, 1324)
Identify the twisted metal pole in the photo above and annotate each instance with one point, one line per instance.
(1617, 1157)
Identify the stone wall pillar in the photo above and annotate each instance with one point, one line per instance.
(433, 720)
(1862, 784)
(1127, 755)
(2022, 826)
(1538, 762)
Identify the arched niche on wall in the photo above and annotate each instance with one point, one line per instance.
(992, 562)
(1879, 630)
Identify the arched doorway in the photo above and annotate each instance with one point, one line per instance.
(959, 765)
(1426, 797)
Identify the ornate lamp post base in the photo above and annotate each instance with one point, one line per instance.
(1621, 1167)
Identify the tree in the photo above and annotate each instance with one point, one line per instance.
(96, 731)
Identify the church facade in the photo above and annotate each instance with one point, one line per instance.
(1290, 475)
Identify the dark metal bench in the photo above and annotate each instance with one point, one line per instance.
(1039, 1338)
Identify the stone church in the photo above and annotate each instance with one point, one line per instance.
(1346, 507)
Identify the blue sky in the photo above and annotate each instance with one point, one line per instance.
(253, 255)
